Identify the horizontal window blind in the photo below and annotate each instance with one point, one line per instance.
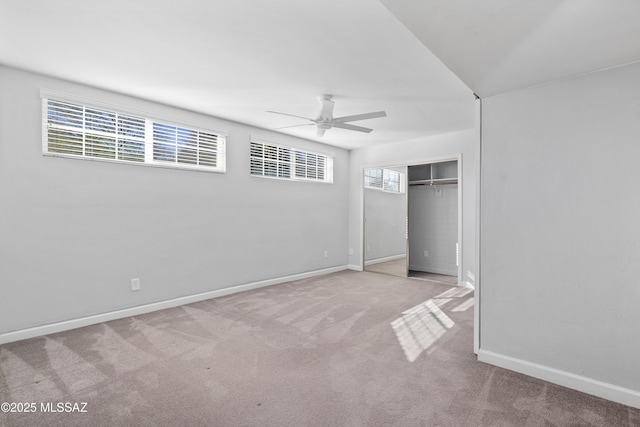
(270, 160)
(277, 161)
(82, 131)
(310, 166)
(185, 146)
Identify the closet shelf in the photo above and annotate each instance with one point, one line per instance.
(437, 181)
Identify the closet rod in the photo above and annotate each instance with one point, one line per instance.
(433, 183)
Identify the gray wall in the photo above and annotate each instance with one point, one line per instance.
(433, 227)
(74, 232)
(385, 225)
(560, 226)
(424, 150)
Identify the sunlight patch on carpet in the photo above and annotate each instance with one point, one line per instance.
(421, 326)
(464, 305)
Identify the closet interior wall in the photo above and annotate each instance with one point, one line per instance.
(433, 218)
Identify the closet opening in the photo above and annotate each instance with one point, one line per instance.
(433, 222)
(412, 221)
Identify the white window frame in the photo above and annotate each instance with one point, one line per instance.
(289, 164)
(385, 180)
(149, 120)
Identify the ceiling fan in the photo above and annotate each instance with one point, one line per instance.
(325, 119)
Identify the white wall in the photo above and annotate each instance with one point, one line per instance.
(561, 230)
(74, 232)
(424, 150)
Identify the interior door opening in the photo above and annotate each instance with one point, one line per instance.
(412, 221)
(433, 222)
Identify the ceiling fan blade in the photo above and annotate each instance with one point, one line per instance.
(295, 126)
(351, 127)
(320, 132)
(364, 116)
(291, 115)
(326, 112)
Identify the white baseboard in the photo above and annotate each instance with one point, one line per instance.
(354, 267)
(435, 270)
(385, 259)
(586, 385)
(147, 308)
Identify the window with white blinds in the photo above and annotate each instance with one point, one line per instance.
(283, 162)
(81, 131)
(384, 179)
(180, 145)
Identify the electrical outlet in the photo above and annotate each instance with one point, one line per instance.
(426, 254)
(135, 284)
(326, 254)
(350, 251)
(368, 248)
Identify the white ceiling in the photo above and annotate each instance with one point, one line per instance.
(238, 59)
(496, 46)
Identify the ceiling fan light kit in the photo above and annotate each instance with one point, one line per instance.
(325, 120)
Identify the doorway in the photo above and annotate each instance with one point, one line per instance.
(433, 222)
(412, 225)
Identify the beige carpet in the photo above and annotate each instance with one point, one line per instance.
(396, 267)
(346, 349)
(434, 277)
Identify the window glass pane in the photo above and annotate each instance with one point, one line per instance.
(208, 141)
(132, 151)
(257, 166)
(383, 179)
(65, 142)
(373, 178)
(301, 170)
(391, 180)
(207, 158)
(100, 146)
(301, 164)
(270, 168)
(164, 142)
(321, 168)
(284, 154)
(257, 150)
(188, 155)
(131, 127)
(100, 121)
(65, 114)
